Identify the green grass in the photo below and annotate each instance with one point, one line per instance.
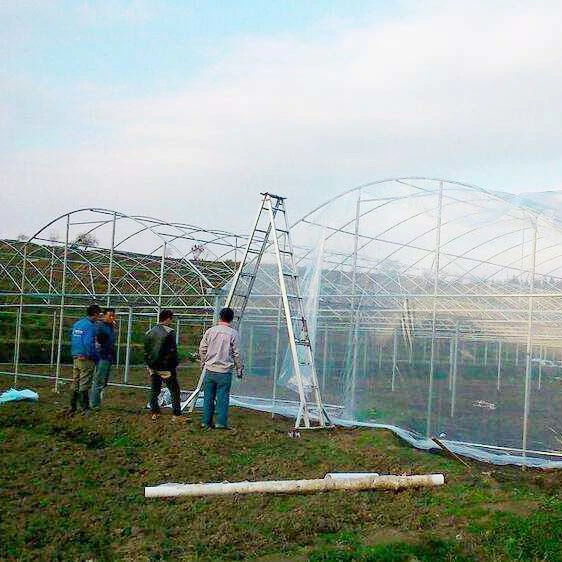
(72, 489)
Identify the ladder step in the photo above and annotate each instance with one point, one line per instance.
(305, 343)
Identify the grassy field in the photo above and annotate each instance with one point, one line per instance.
(72, 489)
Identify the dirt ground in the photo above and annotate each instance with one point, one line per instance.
(72, 488)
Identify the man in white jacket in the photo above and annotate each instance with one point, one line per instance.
(220, 355)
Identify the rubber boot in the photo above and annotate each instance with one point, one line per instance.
(73, 401)
(85, 399)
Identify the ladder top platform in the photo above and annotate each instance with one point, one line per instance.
(272, 195)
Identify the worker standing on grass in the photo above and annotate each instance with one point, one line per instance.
(83, 350)
(161, 358)
(220, 354)
(105, 347)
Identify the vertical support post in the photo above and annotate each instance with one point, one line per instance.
(380, 357)
(161, 281)
(177, 331)
(216, 310)
(394, 358)
(62, 303)
(365, 354)
(451, 356)
(19, 317)
(276, 361)
(516, 354)
(251, 350)
(354, 307)
(485, 354)
(118, 355)
(455, 365)
(111, 251)
(355, 351)
(17, 344)
(434, 314)
(540, 365)
(324, 359)
(128, 348)
(530, 333)
(53, 337)
(499, 363)
(51, 272)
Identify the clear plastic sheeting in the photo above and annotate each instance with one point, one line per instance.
(434, 310)
(14, 395)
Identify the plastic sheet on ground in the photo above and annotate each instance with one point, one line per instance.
(14, 395)
(165, 399)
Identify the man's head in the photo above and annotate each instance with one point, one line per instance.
(93, 312)
(165, 317)
(226, 315)
(109, 316)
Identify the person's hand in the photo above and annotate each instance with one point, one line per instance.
(240, 373)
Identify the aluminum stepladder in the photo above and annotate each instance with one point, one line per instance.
(271, 227)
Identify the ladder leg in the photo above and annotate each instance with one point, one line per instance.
(192, 398)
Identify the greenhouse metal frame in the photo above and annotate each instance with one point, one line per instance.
(102, 258)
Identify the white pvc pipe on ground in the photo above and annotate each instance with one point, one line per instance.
(350, 475)
(389, 482)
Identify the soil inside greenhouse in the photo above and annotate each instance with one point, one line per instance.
(72, 488)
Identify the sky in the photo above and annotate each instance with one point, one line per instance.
(187, 110)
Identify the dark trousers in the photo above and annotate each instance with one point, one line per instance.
(156, 387)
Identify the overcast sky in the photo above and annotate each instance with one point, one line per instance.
(186, 110)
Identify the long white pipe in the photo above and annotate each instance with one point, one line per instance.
(389, 482)
(349, 475)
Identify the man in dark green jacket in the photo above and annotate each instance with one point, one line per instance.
(161, 358)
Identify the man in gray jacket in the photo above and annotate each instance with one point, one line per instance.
(220, 355)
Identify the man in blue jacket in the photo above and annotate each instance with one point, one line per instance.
(105, 348)
(83, 350)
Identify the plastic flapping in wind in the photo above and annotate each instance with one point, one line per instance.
(434, 310)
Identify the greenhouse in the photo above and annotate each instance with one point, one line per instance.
(432, 307)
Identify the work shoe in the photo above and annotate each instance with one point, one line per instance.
(225, 427)
(154, 417)
(205, 426)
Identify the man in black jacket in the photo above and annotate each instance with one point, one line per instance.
(161, 358)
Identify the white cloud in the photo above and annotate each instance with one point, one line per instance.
(466, 91)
